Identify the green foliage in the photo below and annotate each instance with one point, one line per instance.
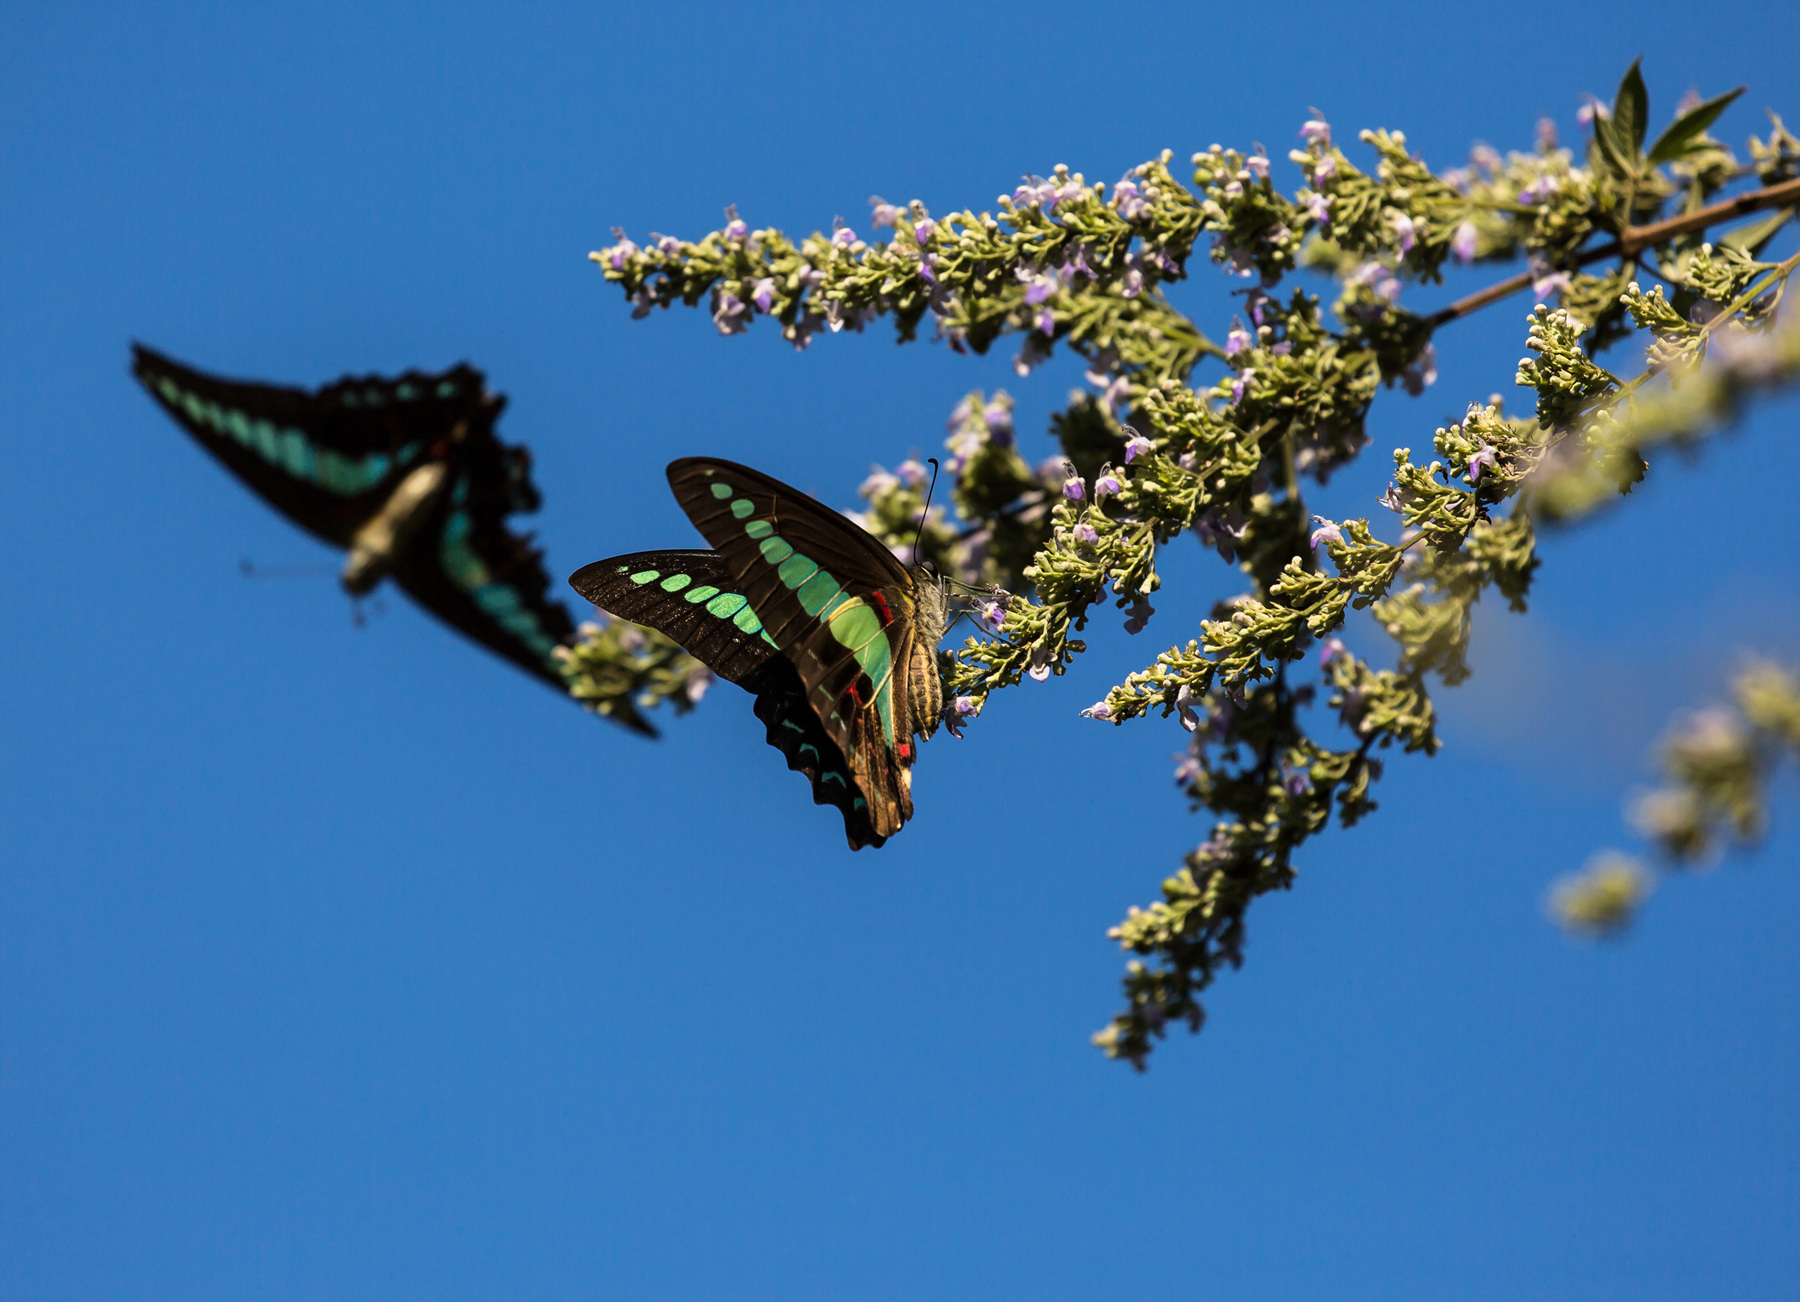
(1157, 451)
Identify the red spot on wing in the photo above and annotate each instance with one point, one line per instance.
(881, 608)
(904, 750)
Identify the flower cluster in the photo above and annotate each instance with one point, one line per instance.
(619, 670)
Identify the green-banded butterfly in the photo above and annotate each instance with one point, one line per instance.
(835, 637)
(407, 475)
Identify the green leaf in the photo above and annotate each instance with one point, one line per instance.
(1631, 112)
(1673, 142)
(1750, 238)
(1606, 145)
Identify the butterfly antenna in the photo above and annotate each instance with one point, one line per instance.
(251, 570)
(926, 513)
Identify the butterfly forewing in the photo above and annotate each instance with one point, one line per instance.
(688, 595)
(326, 458)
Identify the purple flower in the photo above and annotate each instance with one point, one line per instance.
(698, 680)
(1592, 110)
(1333, 650)
(1238, 341)
(923, 232)
(1548, 283)
(967, 707)
(999, 419)
(1296, 783)
(620, 254)
(1072, 487)
(990, 615)
(1388, 289)
(1316, 132)
(1141, 610)
(928, 269)
(764, 293)
(1546, 134)
(1393, 499)
(728, 314)
(843, 237)
(1545, 187)
(1462, 244)
(1283, 348)
(1133, 282)
(1039, 285)
(1403, 231)
(1318, 207)
(1258, 166)
(1032, 352)
(1098, 710)
(912, 473)
(1113, 392)
(1188, 771)
(668, 245)
(1482, 460)
(1184, 706)
(1486, 157)
(642, 302)
(882, 213)
(1106, 485)
(1041, 658)
(1136, 446)
(1128, 200)
(737, 229)
(1086, 534)
(1420, 373)
(1254, 302)
(1326, 533)
(1046, 322)
(878, 483)
(1689, 101)
(1233, 190)
(1325, 168)
(1240, 384)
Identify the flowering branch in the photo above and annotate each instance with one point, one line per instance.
(1154, 452)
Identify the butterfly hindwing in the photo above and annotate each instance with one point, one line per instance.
(838, 604)
(470, 570)
(794, 730)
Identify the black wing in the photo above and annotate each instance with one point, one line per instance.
(837, 603)
(689, 596)
(327, 458)
(481, 578)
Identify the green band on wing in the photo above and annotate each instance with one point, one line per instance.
(646, 576)
(775, 550)
(796, 570)
(759, 528)
(742, 507)
(676, 582)
(289, 449)
(817, 592)
(721, 491)
(705, 592)
(726, 604)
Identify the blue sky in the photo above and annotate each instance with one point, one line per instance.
(341, 963)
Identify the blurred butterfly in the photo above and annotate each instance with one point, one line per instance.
(406, 475)
(836, 638)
